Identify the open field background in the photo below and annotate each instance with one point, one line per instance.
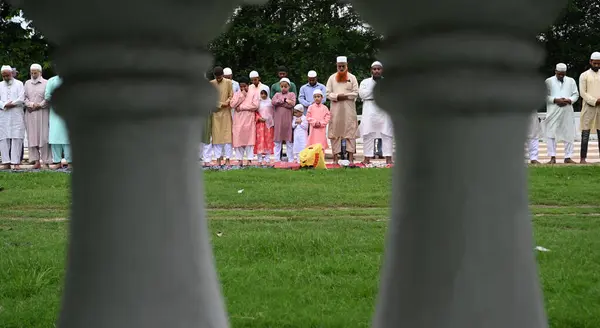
(299, 248)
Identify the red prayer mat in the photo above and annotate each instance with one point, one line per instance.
(296, 166)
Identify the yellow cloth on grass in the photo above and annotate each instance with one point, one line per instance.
(313, 156)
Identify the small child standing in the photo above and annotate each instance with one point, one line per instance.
(318, 117)
(283, 104)
(263, 147)
(300, 130)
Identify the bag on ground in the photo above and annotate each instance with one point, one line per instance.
(313, 156)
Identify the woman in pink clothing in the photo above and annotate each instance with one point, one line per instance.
(245, 103)
(318, 117)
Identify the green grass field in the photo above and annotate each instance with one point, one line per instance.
(299, 249)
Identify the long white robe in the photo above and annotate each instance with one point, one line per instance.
(236, 86)
(559, 124)
(535, 128)
(12, 120)
(300, 134)
(533, 136)
(374, 119)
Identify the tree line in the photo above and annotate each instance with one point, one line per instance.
(309, 34)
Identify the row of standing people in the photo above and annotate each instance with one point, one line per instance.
(260, 124)
(25, 107)
(558, 125)
(295, 125)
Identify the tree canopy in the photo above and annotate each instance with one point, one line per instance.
(573, 38)
(20, 44)
(308, 35)
(301, 35)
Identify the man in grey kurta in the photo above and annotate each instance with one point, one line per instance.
(37, 118)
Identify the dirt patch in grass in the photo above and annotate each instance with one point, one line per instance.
(562, 206)
(234, 218)
(38, 207)
(36, 219)
(566, 214)
(318, 208)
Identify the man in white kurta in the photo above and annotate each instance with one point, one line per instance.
(589, 88)
(375, 123)
(559, 126)
(12, 119)
(533, 138)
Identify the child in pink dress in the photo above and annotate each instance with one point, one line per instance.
(263, 147)
(318, 117)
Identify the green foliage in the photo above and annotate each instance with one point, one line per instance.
(573, 38)
(305, 256)
(21, 45)
(308, 35)
(299, 34)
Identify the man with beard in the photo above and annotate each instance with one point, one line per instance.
(255, 81)
(562, 94)
(342, 91)
(12, 119)
(37, 118)
(306, 91)
(589, 88)
(375, 124)
(15, 74)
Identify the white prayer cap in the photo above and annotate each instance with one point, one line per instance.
(253, 74)
(299, 107)
(376, 63)
(560, 67)
(6, 68)
(285, 79)
(317, 92)
(312, 74)
(227, 71)
(342, 59)
(35, 67)
(595, 56)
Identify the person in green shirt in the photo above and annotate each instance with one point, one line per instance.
(282, 71)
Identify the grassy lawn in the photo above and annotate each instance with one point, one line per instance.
(307, 254)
